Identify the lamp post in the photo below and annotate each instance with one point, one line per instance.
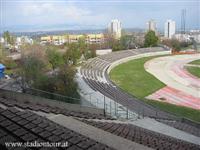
(104, 100)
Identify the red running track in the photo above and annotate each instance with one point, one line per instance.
(177, 97)
(179, 70)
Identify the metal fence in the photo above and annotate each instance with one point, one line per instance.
(109, 106)
(45, 94)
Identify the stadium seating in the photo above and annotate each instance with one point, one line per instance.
(107, 88)
(19, 122)
(125, 99)
(182, 126)
(23, 126)
(143, 136)
(49, 109)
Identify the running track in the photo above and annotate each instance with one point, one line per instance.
(182, 88)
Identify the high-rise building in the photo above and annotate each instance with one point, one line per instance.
(170, 27)
(151, 25)
(115, 28)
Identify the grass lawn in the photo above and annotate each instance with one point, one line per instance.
(194, 70)
(188, 47)
(196, 62)
(177, 110)
(132, 77)
(10, 71)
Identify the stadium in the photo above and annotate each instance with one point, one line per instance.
(99, 75)
(128, 94)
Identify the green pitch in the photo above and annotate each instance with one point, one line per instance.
(132, 78)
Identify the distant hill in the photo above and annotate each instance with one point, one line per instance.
(60, 32)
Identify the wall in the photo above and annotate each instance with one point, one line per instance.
(21, 97)
(123, 60)
(103, 51)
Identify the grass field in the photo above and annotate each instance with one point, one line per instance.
(194, 70)
(132, 77)
(177, 110)
(196, 62)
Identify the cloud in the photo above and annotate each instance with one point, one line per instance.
(52, 12)
(97, 14)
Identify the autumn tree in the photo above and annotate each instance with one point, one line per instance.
(72, 54)
(54, 58)
(150, 39)
(10, 39)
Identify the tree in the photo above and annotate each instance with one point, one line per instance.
(72, 54)
(7, 36)
(176, 45)
(65, 81)
(172, 43)
(10, 39)
(33, 64)
(35, 73)
(150, 39)
(117, 46)
(1, 53)
(34, 50)
(54, 58)
(127, 41)
(82, 46)
(31, 71)
(7, 61)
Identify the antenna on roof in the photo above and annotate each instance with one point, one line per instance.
(183, 21)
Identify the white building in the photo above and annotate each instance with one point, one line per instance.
(2, 40)
(170, 28)
(151, 25)
(103, 51)
(196, 37)
(182, 37)
(115, 28)
(23, 39)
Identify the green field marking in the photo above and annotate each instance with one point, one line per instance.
(134, 79)
(194, 70)
(196, 62)
(180, 111)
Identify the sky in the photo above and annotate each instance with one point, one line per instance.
(39, 15)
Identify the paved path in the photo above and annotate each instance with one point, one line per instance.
(153, 125)
(99, 135)
(192, 65)
(181, 85)
(158, 127)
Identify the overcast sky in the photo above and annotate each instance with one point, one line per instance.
(27, 15)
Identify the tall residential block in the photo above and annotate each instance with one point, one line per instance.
(115, 28)
(151, 25)
(170, 28)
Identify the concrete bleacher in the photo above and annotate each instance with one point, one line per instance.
(107, 88)
(23, 126)
(143, 136)
(25, 119)
(29, 118)
(126, 99)
(182, 126)
(94, 69)
(50, 109)
(102, 84)
(22, 122)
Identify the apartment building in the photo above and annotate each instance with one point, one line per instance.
(71, 38)
(170, 28)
